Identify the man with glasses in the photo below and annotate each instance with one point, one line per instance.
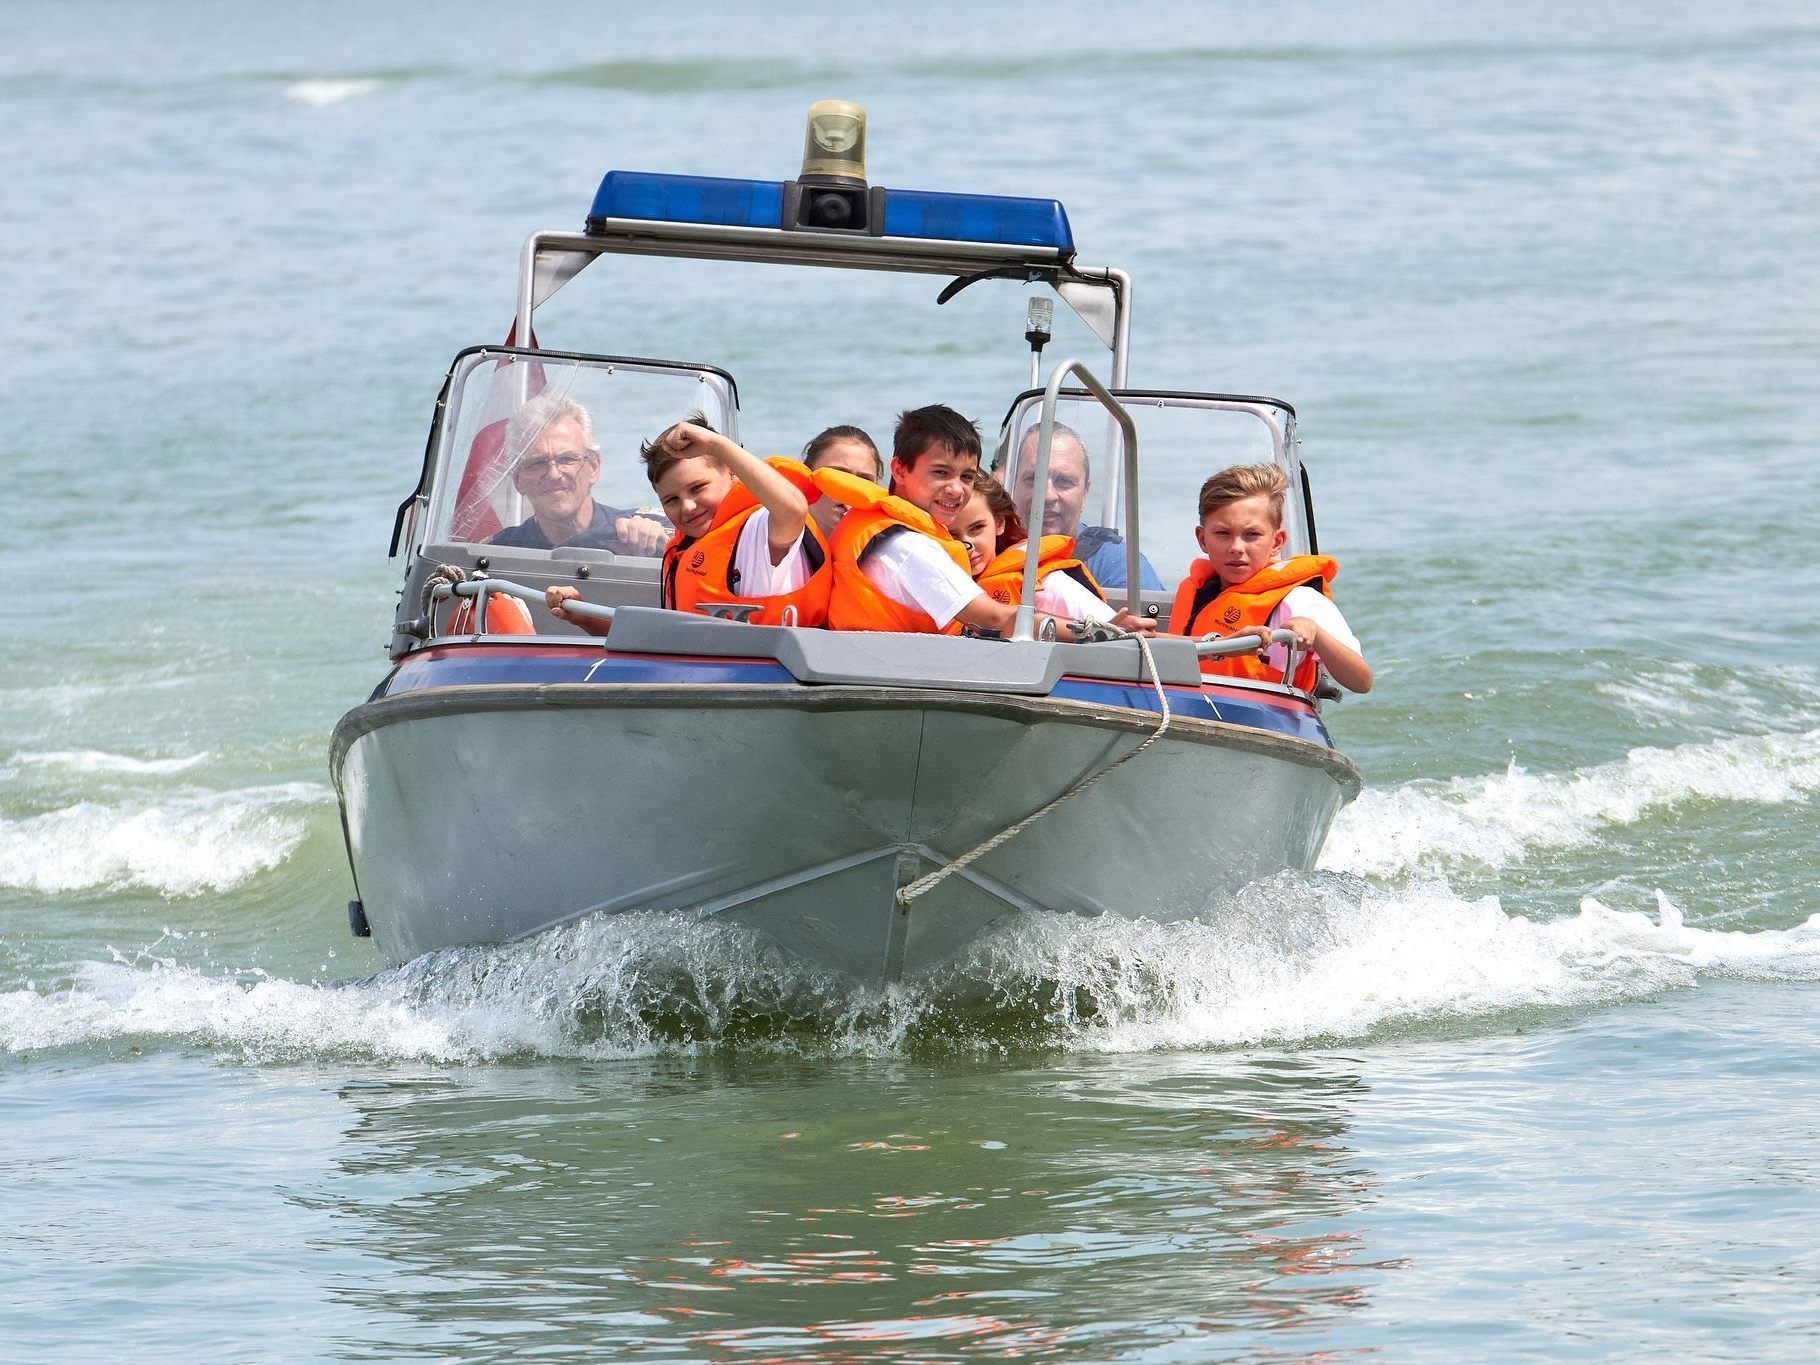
(555, 465)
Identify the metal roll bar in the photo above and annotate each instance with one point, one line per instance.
(1101, 295)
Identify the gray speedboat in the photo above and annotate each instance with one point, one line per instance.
(871, 802)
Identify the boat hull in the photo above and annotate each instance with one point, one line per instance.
(478, 814)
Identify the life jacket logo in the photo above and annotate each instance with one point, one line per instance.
(1002, 595)
(700, 558)
(1231, 616)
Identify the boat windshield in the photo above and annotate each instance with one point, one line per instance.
(540, 452)
(1182, 438)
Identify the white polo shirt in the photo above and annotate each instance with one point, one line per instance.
(913, 569)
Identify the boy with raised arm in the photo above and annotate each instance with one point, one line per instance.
(1241, 587)
(742, 538)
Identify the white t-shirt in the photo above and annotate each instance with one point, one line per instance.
(1060, 595)
(758, 576)
(911, 568)
(1317, 607)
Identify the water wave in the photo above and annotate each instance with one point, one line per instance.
(1294, 960)
(323, 91)
(100, 761)
(1496, 819)
(692, 76)
(1043, 65)
(1684, 693)
(183, 845)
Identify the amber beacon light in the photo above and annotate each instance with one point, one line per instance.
(834, 149)
(832, 187)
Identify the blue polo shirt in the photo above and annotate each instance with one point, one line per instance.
(1102, 550)
(528, 534)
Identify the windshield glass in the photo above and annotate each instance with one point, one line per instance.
(541, 453)
(1182, 439)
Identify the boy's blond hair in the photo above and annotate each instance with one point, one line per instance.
(1241, 481)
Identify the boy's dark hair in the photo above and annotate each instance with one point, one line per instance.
(820, 443)
(936, 427)
(659, 460)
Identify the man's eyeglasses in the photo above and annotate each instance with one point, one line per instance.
(566, 462)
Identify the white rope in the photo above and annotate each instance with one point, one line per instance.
(934, 879)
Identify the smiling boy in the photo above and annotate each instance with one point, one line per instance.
(742, 532)
(896, 566)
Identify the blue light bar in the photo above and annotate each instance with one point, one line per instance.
(690, 199)
(921, 214)
(977, 218)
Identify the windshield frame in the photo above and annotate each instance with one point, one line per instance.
(438, 480)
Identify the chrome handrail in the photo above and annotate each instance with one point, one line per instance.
(482, 588)
(1245, 642)
(1024, 628)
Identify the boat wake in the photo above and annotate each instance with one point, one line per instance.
(1494, 820)
(175, 843)
(1376, 943)
(1298, 960)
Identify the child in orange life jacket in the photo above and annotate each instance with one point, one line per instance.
(741, 530)
(1242, 588)
(896, 566)
(843, 447)
(993, 532)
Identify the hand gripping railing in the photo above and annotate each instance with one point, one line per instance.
(441, 589)
(1246, 642)
(1024, 628)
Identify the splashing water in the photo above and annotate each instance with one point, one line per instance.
(1293, 960)
(1495, 819)
(184, 845)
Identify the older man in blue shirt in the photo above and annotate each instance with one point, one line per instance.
(556, 464)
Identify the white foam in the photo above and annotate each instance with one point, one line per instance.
(100, 761)
(184, 845)
(262, 1018)
(1290, 964)
(325, 91)
(1495, 819)
(1292, 961)
(589, 989)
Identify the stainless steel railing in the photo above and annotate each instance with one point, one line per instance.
(1246, 642)
(480, 589)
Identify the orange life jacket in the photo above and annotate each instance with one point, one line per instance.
(506, 615)
(872, 515)
(1202, 607)
(700, 572)
(1003, 577)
